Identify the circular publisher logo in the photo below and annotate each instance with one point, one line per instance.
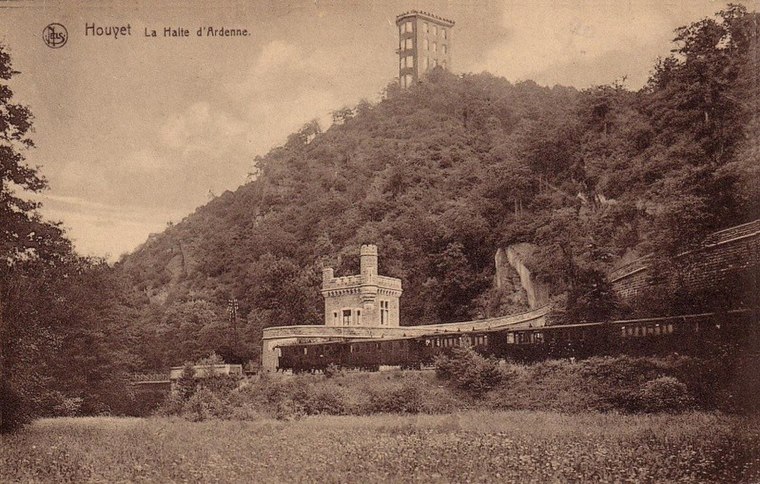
(55, 36)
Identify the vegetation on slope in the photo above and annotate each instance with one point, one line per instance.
(441, 175)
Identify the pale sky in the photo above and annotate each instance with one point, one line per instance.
(135, 132)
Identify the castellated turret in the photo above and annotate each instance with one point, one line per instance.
(367, 299)
(368, 265)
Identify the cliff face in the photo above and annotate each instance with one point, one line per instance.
(515, 259)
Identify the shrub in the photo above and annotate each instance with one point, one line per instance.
(203, 405)
(469, 371)
(329, 400)
(664, 394)
(186, 382)
(404, 398)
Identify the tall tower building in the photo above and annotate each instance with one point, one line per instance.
(424, 42)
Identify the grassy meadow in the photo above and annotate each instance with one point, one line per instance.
(475, 446)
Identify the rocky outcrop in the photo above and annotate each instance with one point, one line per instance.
(515, 257)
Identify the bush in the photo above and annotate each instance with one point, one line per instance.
(186, 382)
(404, 398)
(203, 405)
(664, 394)
(469, 371)
(328, 400)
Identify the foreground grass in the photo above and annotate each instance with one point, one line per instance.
(471, 446)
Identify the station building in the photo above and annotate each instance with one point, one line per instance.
(363, 300)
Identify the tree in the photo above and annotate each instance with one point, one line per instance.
(24, 237)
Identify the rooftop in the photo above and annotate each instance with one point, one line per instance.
(429, 15)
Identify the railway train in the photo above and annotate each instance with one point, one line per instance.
(686, 334)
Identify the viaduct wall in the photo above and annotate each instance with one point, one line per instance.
(725, 258)
(283, 335)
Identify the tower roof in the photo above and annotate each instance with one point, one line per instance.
(426, 15)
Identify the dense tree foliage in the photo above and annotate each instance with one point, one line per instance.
(57, 310)
(441, 175)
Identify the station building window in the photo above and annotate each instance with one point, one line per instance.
(425, 27)
(443, 33)
(444, 48)
(425, 44)
(384, 312)
(346, 317)
(435, 30)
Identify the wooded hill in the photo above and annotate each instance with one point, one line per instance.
(441, 175)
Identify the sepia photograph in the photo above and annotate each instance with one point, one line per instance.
(434, 241)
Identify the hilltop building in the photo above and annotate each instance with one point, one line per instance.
(424, 42)
(364, 300)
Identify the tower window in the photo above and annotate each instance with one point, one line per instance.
(384, 312)
(444, 49)
(443, 32)
(408, 44)
(435, 30)
(435, 47)
(425, 44)
(425, 27)
(346, 317)
(335, 317)
(358, 317)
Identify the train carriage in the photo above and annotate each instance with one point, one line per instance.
(697, 333)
